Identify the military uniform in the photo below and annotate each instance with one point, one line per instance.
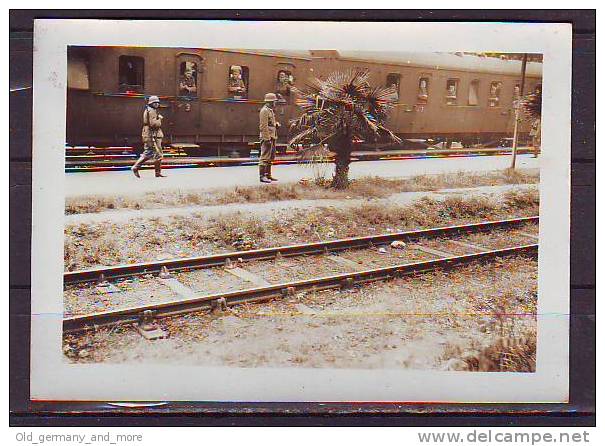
(152, 138)
(536, 135)
(268, 137)
(152, 133)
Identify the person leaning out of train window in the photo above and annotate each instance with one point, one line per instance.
(187, 86)
(237, 86)
(285, 82)
(152, 137)
(268, 137)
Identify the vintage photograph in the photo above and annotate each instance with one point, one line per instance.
(327, 214)
(309, 208)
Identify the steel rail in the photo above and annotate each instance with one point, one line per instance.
(72, 164)
(177, 307)
(135, 269)
(355, 154)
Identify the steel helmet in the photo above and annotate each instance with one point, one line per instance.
(270, 97)
(153, 100)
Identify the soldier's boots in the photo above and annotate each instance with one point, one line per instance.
(135, 168)
(263, 170)
(158, 169)
(269, 174)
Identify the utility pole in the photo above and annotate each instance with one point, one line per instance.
(517, 107)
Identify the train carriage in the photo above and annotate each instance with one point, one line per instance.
(107, 88)
(443, 96)
(211, 97)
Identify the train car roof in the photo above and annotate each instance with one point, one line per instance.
(445, 61)
(448, 61)
(288, 54)
(433, 60)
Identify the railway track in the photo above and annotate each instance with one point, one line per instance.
(113, 162)
(188, 301)
(172, 265)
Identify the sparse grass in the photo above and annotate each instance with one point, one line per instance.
(425, 212)
(509, 353)
(109, 243)
(239, 233)
(510, 342)
(516, 199)
(500, 301)
(368, 187)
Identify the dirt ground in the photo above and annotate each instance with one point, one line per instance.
(436, 320)
(309, 189)
(109, 243)
(266, 209)
(439, 320)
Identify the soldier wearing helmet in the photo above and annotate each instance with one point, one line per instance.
(268, 137)
(152, 137)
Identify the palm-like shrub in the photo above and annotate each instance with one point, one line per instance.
(337, 111)
(532, 104)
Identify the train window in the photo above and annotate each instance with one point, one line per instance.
(238, 81)
(494, 94)
(423, 90)
(451, 91)
(131, 73)
(516, 92)
(77, 74)
(188, 78)
(394, 80)
(538, 88)
(473, 92)
(284, 82)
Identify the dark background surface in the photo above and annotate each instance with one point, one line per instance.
(579, 412)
